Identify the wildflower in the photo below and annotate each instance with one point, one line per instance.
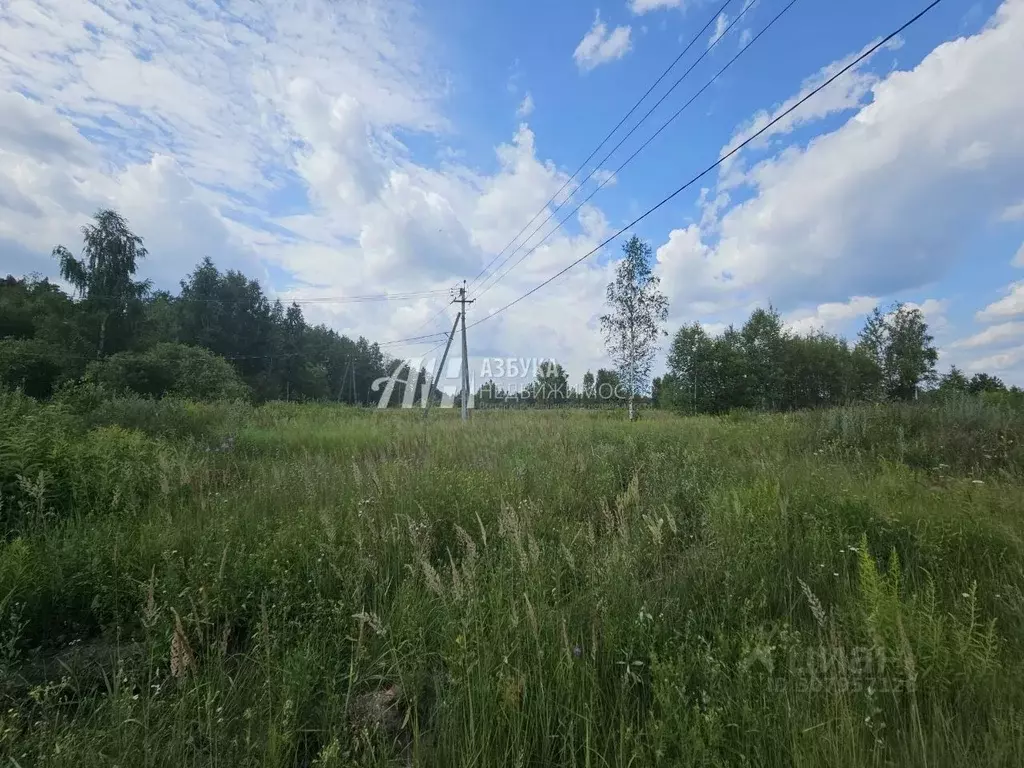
(978, 482)
(835, 573)
(577, 651)
(964, 594)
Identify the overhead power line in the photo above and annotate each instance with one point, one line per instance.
(721, 35)
(637, 151)
(403, 296)
(604, 141)
(866, 54)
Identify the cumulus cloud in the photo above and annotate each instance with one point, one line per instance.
(992, 336)
(934, 312)
(600, 46)
(267, 138)
(1000, 363)
(884, 203)
(831, 316)
(1018, 259)
(1009, 306)
(848, 92)
(646, 6)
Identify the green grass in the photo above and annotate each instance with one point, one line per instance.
(349, 587)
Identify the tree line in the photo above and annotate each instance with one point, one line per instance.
(764, 366)
(221, 336)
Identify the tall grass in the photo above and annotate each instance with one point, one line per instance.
(346, 587)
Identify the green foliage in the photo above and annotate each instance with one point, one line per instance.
(901, 348)
(111, 299)
(53, 466)
(169, 369)
(764, 366)
(633, 325)
(147, 343)
(31, 365)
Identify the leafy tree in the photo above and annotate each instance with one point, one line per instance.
(953, 383)
(103, 278)
(983, 382)
(607, 385)
(763, 344)
(728, 377)
(588, 384)
(690, 367)
(899, 345)
(638, 310)
(552, 384)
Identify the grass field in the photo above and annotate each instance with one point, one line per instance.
(344, 587)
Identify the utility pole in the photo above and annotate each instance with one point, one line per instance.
(463, 301)
(344, 379)
(437, 374)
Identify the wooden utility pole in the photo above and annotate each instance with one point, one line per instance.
(463, 301)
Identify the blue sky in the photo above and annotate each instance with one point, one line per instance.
(335, 149)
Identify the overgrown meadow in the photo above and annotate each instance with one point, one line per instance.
(302, 585)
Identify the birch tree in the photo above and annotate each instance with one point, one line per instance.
(637, 313)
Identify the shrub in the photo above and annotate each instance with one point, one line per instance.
(967, 434)
(169, 370)
(31, 365)
(52, 465)
(169, 417)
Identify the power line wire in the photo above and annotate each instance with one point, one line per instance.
(867, 53)
(606, 138)
(405, 296)
(721, 35)
(636, 152)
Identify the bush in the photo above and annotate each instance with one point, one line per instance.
(169, 370)
(169, 417)
(52, 465)
(31, 365)
(967, 434)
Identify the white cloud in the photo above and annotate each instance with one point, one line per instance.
(830, 317)
(999, 364)
(745, 36)
(1013, 212)
(1018, 259)
(847, 92)
(600, 46)
(992, 336)
(884, 203)
(1010, 305)
(525, 108)
(231, 103)
(605, 177)
(646, 6)
(934, 312)
(721, 24)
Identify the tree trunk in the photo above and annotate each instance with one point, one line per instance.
(632, 406)
(103, 335)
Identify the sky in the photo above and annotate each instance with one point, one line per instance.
(334, 149)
